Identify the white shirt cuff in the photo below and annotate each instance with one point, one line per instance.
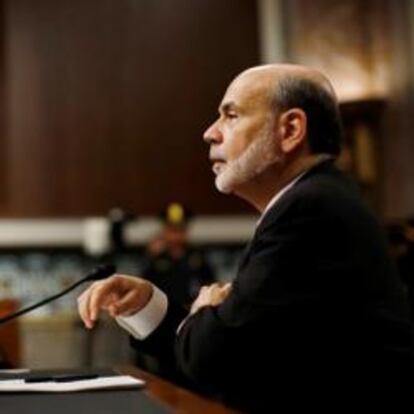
(144, 322)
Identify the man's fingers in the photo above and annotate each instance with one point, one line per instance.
(205, 288)
(119, 294)
(100, 294)
(127, 305)
(226, 288)
(83, 308)
(109, 300)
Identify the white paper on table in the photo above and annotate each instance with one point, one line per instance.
(119, 381)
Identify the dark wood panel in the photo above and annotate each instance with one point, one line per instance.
(108, 99)
(3, 126)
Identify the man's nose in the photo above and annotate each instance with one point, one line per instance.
(212, 133)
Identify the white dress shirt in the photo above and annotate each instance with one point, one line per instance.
(278, 196)
(144, 322)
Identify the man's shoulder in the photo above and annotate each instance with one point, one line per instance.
(324, 195)
(325, 180)
(322, 184)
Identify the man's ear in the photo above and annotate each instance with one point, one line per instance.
(292, 129)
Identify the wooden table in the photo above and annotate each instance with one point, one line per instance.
(178, 399)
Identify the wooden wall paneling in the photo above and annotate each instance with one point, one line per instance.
(108, 101)
(3, 126)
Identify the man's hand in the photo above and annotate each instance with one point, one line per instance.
(211, 295)
(118, 295)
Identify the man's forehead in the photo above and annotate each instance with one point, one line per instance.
(247, 89)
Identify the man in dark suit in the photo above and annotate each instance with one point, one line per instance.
(316, 298)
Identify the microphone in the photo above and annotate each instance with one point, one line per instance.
(99, 273)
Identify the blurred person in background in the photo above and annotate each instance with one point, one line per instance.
(173, 264)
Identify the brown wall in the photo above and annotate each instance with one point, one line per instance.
(106, 101)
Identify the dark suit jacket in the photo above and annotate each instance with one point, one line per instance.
(316, 300)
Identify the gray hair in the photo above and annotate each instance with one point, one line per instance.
(324, 131)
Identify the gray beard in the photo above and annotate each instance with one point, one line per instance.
(258, 156)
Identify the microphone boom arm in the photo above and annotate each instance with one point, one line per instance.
(101, 272)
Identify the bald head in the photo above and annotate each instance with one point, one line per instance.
(272, 74)
(287, 86)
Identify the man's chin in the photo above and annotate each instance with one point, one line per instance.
(223, 186)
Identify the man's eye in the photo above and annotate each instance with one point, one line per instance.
(231, 115)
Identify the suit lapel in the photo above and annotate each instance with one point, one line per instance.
(275, 211)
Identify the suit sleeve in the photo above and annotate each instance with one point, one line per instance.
(160, 343)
